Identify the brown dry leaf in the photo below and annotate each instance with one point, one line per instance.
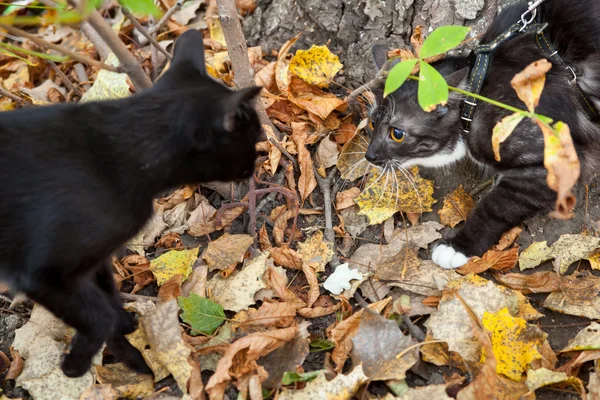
(327, 152)
(16, 365)
(346, 198)
(125, 382)
(352, 163)
(345, 330)
(387, 194)
(539, 282)
(200, 218)
(4, 362)
(99, 392)
(508, 238)
(278, 284)
(272, 314)
(263, 239)
(161, 327)
(417, 39)
(313, 99)
(196, 282)
(342, 387)
(171, 289)
(578, 296)
(318, 311)
(311, 278)
(139, 340)
(266, 77)
(286, 257)
(226, 251)
(345, 132)
(282, 66)
(307, 181)
(239, 360)
(530, 82)
(376, 346)
(316, 252)
(237, 292)
(484, 386)
(201, 229)
(457, 207)
(560, 159)
(395, 267)
(178, 196)
(280, 225)
(492, 259)
(277, 211)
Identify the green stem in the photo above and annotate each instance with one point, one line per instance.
(43, 56)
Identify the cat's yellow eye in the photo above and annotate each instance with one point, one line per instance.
(371, 126)
(397, 135)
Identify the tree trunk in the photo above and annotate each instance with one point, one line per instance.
(353, 26)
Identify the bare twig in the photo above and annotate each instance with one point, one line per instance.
(325, 186)
(153, 50)
(135, 297)
(176, 7)
(82, 76)
(481, 187)
(15, 98)
(145, 33)
(73, 55)
(252, 207)
(279, 178)
(378, 80)
(128, 62)
(65, 79)
(238, 53)
(284, 152)
(414, 330)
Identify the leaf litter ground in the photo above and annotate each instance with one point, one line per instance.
(250, 316)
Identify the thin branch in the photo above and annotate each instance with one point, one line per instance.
(128, 62)
(238, 53)
(73, 55)
(279, 178)
(325, 186)
(82, 76)
(15, 98)
(176, 7)
(284, 152)
(153, 49)
(377, 81)
(135, 297)
(145, 33)
(64, 78)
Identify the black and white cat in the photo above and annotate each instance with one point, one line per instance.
(78, 181)
(406, 135)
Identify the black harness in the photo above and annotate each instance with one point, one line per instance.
(483, 53)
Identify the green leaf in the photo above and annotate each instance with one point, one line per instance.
(141, 7)
(293, 377)
(433, 89)
(398, 75)
(321, 345)
(203, 315)
(443, 39)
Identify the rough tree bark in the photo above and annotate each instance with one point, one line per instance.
(353, 26)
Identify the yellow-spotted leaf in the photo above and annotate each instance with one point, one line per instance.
(172, 263)
(543, 377)
(316, 252)
(503, 130)
(317, 66)
(515, 344)
(391, 191)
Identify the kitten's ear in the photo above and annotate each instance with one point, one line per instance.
(189, 47)
(234, 106)
(380, 55)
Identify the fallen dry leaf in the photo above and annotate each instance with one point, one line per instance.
(139, 340)
(307, 181)
(352, 163)
(282, 66)
(530, 82)
(393, 191)
(226, 251)
(286, 257)
(570, 248)
(539, 282)
(236, 292)
(147, 235)
(508, 238)
(543, 377)
(239, 360)
(327, 153)
(313, 99)
(16, 365)
(578, 296)
(346, 198)
(492, 259)
(273, 314)
(457, 207)
(316, 66)
(126, 383)
(171, 289)
(502, 130)
(534, 255)
(342, 387)
(278, 284)
(316, 252)
(376, 346)
(172, 263)
(99, 392)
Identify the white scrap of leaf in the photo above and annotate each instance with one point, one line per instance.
(340, 279)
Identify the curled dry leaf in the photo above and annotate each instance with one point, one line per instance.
(263, 239)
(171, 289)
(457, 207)
(278, 284)
(273, 314)
(587, 339)
(239, 360)
(544, 377)
(539, 282)
(16, 365)
(530, 82)
(226, 251)
(346, 198)
(318, 311)
(204, 228)
(99, 392)
(316, 252)
(126, 383)
(391, 191)
(307, 181)
(316, 66)
(508, 238)
(286, 257)
(282, 66)
(313, 99)
(492, 259)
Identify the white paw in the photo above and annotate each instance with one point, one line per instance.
(448, 258)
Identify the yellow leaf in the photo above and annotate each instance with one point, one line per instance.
(594, 259)
(316, 252)
(316, 66)
(108, 85)
(386, 194)
(139, 340)
(352, 163)
(515, 345)
(226, 251)
(530, 82)
(172, 263)
(216, 31)
(503, 130)
(534, 255)
(543, 377)
(560, 159)
(457, 207)
(342, 387)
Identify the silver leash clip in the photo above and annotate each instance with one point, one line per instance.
(529, 16)
(574, 80)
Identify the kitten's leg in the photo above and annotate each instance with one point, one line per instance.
(81, 304)
(124, 324)
(516, 196)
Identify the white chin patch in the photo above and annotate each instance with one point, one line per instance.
(448, 258)
(442, 159)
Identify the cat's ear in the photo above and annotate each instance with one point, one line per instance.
(380, 55)
(237, 104)
(189, 47)
(459, 80)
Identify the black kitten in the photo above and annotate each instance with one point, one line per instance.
(78, 182)
(437, 139)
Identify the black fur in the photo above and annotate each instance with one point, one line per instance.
(78, 182)
(521, 190)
